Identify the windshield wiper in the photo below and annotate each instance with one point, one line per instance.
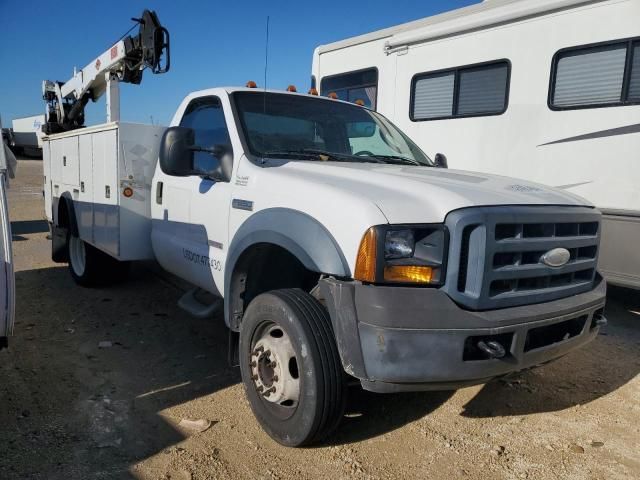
(398, 159)
(314, 154)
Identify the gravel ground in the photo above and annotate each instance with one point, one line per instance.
(70, 409)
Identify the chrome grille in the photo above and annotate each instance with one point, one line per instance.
(495, 254)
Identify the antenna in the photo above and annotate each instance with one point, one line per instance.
(266, 55)
(266, 64)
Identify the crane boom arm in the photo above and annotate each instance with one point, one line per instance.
(123, 62)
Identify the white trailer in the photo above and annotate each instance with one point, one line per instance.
(546, 90)
(27, 135)
(7, 280)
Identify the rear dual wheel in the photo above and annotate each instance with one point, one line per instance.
(290, 367)
(91, 267)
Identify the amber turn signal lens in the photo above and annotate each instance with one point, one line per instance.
(313, 91)
(127, 192)
(251, 84)
(292, 88)
(408, 274)
(333, 95)
(366, 259)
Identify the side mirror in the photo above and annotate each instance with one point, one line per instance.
(177, 155)
(440, 160)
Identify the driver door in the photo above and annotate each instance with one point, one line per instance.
(191, 224)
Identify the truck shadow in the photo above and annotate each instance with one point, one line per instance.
(26, 227)
(370, 415)
(89, 372)
(580, 377)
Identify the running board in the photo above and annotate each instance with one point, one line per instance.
(194, 307)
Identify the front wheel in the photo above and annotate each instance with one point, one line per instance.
(90, 267)
(291, 368)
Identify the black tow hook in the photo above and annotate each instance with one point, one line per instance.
(492, 348)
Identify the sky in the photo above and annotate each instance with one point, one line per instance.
(212, 44)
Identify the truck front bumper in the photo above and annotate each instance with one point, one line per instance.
(407, 339)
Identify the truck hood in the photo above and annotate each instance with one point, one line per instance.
(413, 194)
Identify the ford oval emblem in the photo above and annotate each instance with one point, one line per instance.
(556, 257)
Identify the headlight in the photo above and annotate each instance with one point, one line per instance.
(399, 244)
(409, 254)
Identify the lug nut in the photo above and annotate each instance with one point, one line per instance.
(275, 378)
(273, 364)
(254, 377)
(252, 364)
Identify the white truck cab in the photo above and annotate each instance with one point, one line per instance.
(340, 249)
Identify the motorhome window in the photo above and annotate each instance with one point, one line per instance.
(360, 86)
(460, 92)
(634, 79)
(599, 75)
(206, 117)
(590, 76)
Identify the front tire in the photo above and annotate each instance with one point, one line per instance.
(90, 267)
(291, 368)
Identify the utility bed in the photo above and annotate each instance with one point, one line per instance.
(106, 170)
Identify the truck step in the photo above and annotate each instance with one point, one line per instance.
(200, 304)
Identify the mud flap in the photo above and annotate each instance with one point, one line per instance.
(59, 250)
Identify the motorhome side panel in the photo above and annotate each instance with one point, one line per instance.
(619, 258)
(106, 221)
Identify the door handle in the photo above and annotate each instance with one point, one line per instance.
(159, 193)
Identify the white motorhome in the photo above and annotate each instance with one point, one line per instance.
(27, 135)
(547, 90)
(7, 282)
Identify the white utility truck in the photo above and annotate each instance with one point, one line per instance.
(342, 251)
(7, 281)
(546, 90)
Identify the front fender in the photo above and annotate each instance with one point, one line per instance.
(300, 234)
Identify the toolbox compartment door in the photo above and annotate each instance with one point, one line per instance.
(106, 215)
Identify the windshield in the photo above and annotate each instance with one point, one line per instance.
(307, 128)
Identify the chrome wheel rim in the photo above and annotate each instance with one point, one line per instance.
(77, 256)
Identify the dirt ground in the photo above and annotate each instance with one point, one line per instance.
(72, 410)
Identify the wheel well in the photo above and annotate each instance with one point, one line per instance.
(66, 215)
(63, 219)
(261, 268)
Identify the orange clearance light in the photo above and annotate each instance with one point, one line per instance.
(251, 84)
(366, 259)
(333, 95)
(408, 274)
(127, 192)
(360, 102)
(292, 88)
(313, 91)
